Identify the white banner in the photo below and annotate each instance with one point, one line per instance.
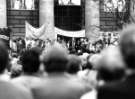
(34, 33)
(70, 33)
(4, 37)
(41, 33)
(38, 33)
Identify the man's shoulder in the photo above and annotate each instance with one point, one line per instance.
(111, 86)
(27, 81)
(14, 90)
(114, 89)
(68, 82)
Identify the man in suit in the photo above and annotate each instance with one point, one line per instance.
(30, 64)
(123, 89)
(7, 89)
(58, 84)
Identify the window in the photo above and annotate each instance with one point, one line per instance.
(114, 5)
(23, 4)
(69, 2)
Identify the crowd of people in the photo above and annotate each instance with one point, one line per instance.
(58, 74)
(74, 45)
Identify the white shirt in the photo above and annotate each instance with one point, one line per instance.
(90, 95)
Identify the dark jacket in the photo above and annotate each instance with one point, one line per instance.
(118, 90)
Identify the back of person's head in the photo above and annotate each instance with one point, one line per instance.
(83, 58)
(74, 64)
(3, 57)
(93, 60)
(30, 60)
(127, 45)
(88, 64)
(111, 65)
(56, 58)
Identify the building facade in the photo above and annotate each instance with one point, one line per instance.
(91, 15)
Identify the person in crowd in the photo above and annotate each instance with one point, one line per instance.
(123, 89)
(20, 45)
(7, 89)
(58, 84)
(13, 45)
(4, 62)
(109, 69)
(30, 62)
(89, 73)
(110, 66)
(15, 67)
(74, 65)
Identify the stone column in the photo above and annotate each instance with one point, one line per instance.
(3, 14)
(92, 19)
(132, 11)
(46, 16)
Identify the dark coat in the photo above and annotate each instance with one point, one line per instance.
(118, 90)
